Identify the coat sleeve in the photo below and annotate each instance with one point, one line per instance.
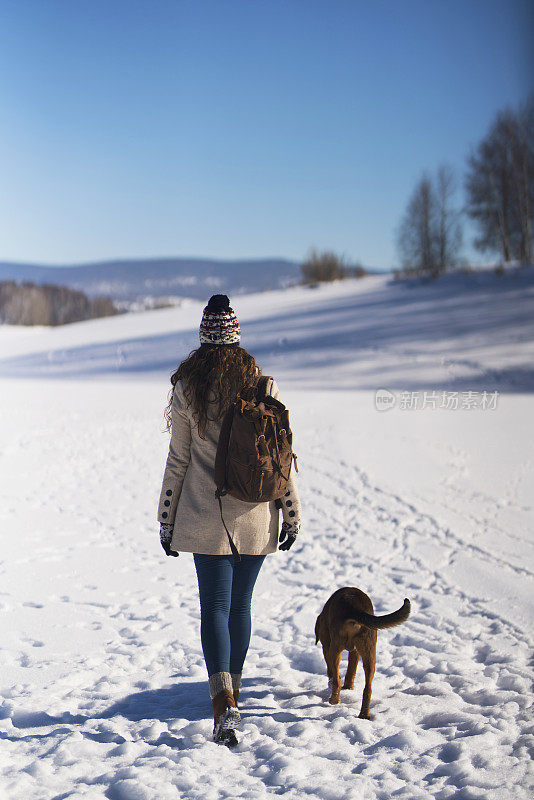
(178, 459)
(291, 508)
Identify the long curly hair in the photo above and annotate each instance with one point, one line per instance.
(213, 374)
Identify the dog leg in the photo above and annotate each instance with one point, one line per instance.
(326, 655)
(351, 669)
(369, 662)
(335, 658)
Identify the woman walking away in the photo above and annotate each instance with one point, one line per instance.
(229, 544)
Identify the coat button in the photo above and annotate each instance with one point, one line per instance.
(164, 515)
(168, 492)
(167, 503)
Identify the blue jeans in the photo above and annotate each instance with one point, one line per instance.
(225, 590)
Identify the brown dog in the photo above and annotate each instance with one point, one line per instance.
(347, 622)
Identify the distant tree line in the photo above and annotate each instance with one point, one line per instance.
(499, 188)
(28, 303)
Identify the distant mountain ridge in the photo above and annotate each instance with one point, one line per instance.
(135, 279)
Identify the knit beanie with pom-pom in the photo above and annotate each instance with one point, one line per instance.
(219, 323)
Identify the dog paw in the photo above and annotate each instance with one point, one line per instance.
(361, 715)
(347, 686)
(334, 700)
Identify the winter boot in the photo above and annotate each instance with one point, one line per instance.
(225, 714)
(226, 718)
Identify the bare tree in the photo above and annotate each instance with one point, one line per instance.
(449, 231)
(416, 237)
(521, 132)
(429, 235)
(500, 185)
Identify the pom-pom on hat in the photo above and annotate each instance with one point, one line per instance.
(219, 323)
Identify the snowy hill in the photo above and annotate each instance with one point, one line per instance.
(101, 671)
(463, 331)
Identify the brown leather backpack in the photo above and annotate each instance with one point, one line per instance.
(254, 451)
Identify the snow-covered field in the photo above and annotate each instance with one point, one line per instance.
(103, 684)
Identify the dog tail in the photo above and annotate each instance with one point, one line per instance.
(385, 621)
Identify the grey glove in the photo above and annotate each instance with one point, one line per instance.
(288, 535)
(165, 537)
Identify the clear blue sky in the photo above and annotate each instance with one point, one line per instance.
(240, 128)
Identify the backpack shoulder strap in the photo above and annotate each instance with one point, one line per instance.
(261, 388)
(222, 449)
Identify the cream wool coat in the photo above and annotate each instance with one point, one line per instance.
(188, 500)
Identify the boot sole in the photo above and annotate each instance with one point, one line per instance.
(224, 732)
